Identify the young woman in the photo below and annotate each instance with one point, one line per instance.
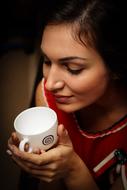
(85, 82)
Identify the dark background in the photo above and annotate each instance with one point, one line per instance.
(19, 74)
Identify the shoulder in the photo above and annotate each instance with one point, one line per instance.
(39, 95)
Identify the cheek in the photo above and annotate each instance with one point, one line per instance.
(91, 86)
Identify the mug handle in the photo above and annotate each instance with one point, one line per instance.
(22, 145)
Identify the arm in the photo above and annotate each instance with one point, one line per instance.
(80, 177)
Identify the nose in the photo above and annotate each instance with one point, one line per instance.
(54, 80)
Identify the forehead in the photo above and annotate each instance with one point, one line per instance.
(60, 38)
(61, 32)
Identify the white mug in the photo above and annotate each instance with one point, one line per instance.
(36, 126)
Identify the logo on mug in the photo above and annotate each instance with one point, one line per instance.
(48, 140)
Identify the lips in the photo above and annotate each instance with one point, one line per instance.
(62, 99)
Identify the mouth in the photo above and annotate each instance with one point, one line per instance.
(63, 99)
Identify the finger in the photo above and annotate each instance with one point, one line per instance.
(9, 152)
(26, 148)
(29, 157)
(49, 175)
(10, 141)
(41, 159)
(46, 178)
(27, 166)
(43, 173)
(46, 157)
(43, 178)
(50, 167)
(38, 151)
(15, 139)
(64, 138)
(21, 164)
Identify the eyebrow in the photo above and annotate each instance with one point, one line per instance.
(65, 59)
(71, 58)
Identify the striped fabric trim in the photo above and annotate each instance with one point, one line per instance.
(94, 136)
(104, 162)
(108, 161)
(102, 134)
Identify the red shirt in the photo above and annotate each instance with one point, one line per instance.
(96, 150)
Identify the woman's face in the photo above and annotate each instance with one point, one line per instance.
(74, 73)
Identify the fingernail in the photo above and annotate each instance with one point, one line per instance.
(64, 129)
(42, 151)
(9, 152)
(62, 126)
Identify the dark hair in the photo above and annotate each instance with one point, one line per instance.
(101, 23)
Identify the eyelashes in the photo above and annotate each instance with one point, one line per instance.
(74, 71)
(65, 66)
(47, 62)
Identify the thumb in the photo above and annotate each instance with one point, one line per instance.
(64, 138)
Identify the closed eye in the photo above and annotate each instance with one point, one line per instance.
(46, 61)
(74, 71)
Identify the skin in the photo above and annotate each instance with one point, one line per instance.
(78, 74)
(72, 69)
(80, 82)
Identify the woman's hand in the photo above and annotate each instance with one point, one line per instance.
(56, 163)
(47, 166)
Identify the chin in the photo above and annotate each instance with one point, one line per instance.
(68, 108)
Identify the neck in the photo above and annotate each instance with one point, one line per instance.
(108, 110)
(115, 100)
